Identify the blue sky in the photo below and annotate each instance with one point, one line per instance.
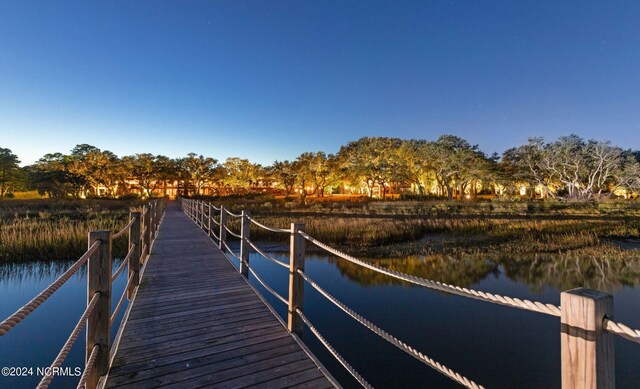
(268, 80)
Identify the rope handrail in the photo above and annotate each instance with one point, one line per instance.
(273, 292)
(231, 251)
(124, 230)
(528, 305)
(392, 339)
(116, 274)
(29, 307)
(267, 256)
(143, 252)
(212, 232)
(216, 222)
(333, 351)
(46, 380)
(216, 208)
(232, 214)
(272, 229)
(88, 368)
(621, 330)
(232, 233)
(124, 293)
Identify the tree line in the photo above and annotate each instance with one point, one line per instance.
(568, 167)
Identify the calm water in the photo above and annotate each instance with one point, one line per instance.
(495, 346)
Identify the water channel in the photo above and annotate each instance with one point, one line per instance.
(495, 346)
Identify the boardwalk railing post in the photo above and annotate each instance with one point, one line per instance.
(223, 232)
(587, 350)
(152, 217)
(134, 259)
(156, 206)
(158, 214)
(296, 282)
(209, 220)
(147, 233)
(245, 233)
(201, 213)
(98, 323)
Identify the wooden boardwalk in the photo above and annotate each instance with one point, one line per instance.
(196, 322)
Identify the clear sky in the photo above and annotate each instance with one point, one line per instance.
(268, 80)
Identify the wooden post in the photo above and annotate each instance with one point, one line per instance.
(201, 213)
(223, 232)
(245, 231)
(587, 350)
(98, 323)
(147, 233)
(195, 211)
(134, 259)
(155, 219)
(158, 214)
(296, 282)
(209, 219)
(152, 223)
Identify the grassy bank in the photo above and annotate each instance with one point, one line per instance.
(381, 237)
(57, 229)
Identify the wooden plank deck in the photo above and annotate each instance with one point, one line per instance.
(196, 322)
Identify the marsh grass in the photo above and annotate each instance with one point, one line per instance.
(57, 229)
(399, 237)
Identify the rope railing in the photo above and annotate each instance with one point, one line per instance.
(571, 310)
(273, 292)
(124, 230)
(46, 380)
(333, 351)
(528, 305)
(267, 256)
(88, 369)
(119, 305)
(216, 208)
(391, 339)
(212, 232)
(621, 330)
(95, 317)
(124, 263)
(231, 251)
(232, 233)
(29, 307)
(232, 214)
(217, 223)
(272, 229)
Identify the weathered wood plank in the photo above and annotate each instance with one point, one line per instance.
(196, 322)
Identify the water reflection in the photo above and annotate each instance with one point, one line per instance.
(18, 272)
(564, 272)
(447, 269)
(536, 271)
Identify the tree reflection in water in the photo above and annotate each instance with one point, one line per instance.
(537, 271)
(16, 273)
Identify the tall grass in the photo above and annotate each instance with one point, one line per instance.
(46, 230)
(384, 236)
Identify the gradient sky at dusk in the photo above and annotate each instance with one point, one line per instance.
(268, 80)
